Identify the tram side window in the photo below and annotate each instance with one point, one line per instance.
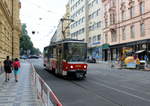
(50, 53)
(65, 54)
(45, 52)
(54, 53)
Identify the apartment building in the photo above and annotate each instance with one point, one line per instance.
(10, 28)
(78, 12)
(88, 16)
(126, 25)
(95, 29)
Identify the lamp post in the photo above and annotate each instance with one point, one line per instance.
(62, 21)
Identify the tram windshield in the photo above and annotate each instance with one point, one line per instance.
(75, 52)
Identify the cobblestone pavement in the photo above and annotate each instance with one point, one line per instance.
(19, 93)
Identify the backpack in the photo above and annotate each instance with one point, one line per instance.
(7, 63)
(16, 67)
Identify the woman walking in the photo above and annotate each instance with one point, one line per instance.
(16, 67)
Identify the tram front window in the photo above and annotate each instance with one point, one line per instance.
(75, 52)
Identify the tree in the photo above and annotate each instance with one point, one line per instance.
(26, 45)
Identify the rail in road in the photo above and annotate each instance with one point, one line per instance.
(103, 87)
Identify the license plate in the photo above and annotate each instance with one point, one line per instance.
(78, 66)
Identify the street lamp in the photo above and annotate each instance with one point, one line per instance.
(62, 21)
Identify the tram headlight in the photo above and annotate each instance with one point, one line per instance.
(71, 66)
(85, 66)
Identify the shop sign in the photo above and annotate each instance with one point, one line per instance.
(96, 43)
(105, 46)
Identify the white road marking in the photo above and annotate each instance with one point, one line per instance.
(124, 92)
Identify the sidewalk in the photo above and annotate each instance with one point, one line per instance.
(21, 93)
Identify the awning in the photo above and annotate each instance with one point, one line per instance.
(140, 51)
(105, 46)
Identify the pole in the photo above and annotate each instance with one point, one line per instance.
(62, 22)
(63, 31)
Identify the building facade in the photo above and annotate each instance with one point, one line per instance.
(95, 29)
(10, 28)
(126, 25)
(88, 16)
(78, 12)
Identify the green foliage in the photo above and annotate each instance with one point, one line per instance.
(26, 45)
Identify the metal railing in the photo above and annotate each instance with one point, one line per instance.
(44, 93)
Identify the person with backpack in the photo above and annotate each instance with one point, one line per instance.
(7, 68)
(16, 68)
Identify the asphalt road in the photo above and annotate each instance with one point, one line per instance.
(102, 87)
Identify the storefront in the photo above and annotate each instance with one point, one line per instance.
(113, 52)
(95, 52)
(105, 52)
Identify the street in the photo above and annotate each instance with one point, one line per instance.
(102, 87)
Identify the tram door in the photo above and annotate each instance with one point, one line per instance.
(59, 59)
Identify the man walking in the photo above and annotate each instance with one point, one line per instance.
(7, 68)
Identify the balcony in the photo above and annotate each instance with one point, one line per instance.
(113, 27)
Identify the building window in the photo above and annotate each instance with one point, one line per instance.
(99, 24)
(132, 29)
(89, 39)
(112, 18)
(94, 39)
(106, 23)
(106, 38)
(123, 15)
(142, 29)
(123, 33)
(99, 37)
(142, 8)
(112, 3)
(131, 12)
(113, 36)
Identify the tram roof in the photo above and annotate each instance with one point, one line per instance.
(68, 40)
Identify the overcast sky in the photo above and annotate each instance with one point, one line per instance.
(41, 16)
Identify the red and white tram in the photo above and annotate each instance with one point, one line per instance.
(66, 57)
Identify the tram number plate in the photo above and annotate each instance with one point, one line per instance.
(78, 66)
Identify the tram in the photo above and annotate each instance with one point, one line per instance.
(66, 58)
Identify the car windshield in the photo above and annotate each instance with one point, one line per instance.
(75, 52)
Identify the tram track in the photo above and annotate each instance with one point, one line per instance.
(90, 91)
(86, 88)
(97, 88)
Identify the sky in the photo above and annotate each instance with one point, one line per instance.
(41, 16)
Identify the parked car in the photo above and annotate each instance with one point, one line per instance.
(33, 57)
(91, 60)
(23, 57)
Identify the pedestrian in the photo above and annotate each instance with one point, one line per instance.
(16, 68)
(7, 68)
(146, 58)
